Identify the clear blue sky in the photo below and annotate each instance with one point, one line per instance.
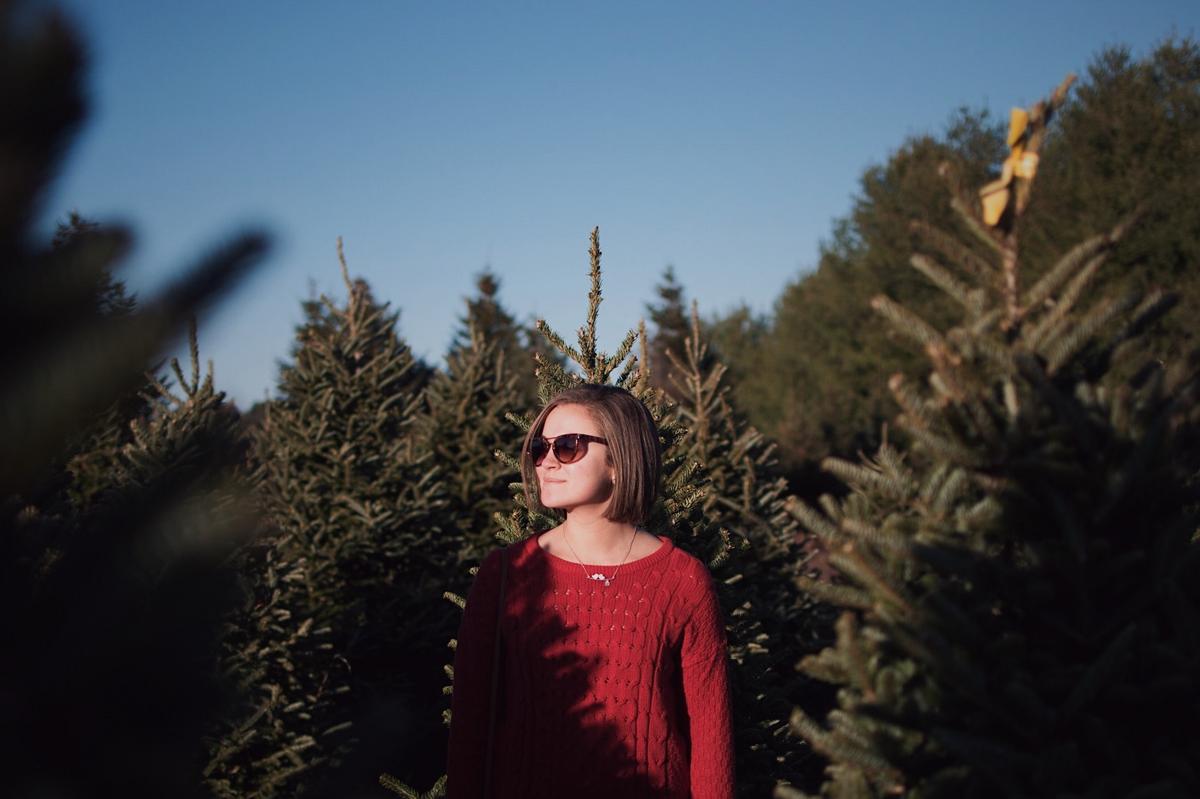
(441, 137)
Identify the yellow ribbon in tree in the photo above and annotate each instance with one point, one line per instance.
(995, 196)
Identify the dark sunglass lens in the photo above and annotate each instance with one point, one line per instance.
(538, 449)
(568, 449)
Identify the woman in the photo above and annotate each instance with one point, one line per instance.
(609, 675)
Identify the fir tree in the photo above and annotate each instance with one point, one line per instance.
(736, 338)
(1128, 137)
(463, 426)
(817, 381)
(772, 624)
(516, 343)
(110, 609)
(669, 317)
(488, 316)
(95, 454)
(193, 433)
(1021, 584)
(358, 523)
(737, 461)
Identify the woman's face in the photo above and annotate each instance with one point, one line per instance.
(587, 481)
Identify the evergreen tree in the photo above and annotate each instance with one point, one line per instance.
(670, 320)
(1021, 586)
(772, 624)
(110, 609)
(463, 426)
(96, 452)
(488, 316)
(359, 544)
(816, 385)
(193, 433)
(745, 493)
(736, 338)
(1128, 137)
(514, 342)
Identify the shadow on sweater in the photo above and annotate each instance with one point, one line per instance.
(584, 754)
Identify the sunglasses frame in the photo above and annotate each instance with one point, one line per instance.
(552, 446)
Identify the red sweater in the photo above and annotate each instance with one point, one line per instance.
(607, 691)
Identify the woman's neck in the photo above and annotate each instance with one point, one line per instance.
(597, 539)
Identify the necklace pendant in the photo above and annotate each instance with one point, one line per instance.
(599, 576)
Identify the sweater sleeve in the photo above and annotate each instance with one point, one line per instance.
(469, 704)
(706, 691)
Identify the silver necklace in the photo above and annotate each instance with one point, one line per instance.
(597, 575)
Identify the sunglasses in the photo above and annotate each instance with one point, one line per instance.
(568, 447)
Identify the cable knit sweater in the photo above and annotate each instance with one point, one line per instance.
(615, 691)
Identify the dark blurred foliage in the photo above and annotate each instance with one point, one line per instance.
(112, 595)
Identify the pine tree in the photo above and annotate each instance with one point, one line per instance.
(193, 433)
(110, 609)
(514, 342)
(1100, 165)
(772, 624)
(817, 380)
(736, 338)
(359, 543)
(1021, 586)
(463, 426)
(737, 460)
(815, 383)
(669, 318)
(95, 454)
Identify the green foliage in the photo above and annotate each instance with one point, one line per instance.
(194, 431)
(814, 382)
(1021, 585)
(110, 604)
(96, 451)
(737, 461)
(669, 318)
(1129, 138)
(515, 343)
(359, 546)
(464, 427)
(771, 624)
(736, 338)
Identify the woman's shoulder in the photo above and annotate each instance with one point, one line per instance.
(509, 553)
(516, 553)
(694, 578)
(683, 561)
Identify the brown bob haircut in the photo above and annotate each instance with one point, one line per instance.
(633, 448)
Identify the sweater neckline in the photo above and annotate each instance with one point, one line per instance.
(571, 567)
